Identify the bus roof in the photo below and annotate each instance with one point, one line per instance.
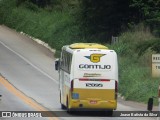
(87, 45)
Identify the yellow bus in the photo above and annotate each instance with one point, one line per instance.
(88, 77)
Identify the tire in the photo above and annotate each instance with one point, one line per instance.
(68, 109)
(63, 107)
(60, 96)
(109, 113)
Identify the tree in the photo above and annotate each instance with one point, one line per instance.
(150, 11)
(105, 18)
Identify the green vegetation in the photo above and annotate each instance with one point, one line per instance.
(136, 82)
(61, 22)
(112, 17)
(55, 27)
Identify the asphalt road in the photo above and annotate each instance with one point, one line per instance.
(29, 68)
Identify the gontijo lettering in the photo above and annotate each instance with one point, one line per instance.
(95, 58)
(87, 66)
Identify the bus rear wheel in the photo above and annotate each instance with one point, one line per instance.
(109, 113)
(68, 109)
(63, 107)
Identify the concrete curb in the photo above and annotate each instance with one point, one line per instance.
(39, 42)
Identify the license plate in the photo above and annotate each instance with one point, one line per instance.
(93, 102)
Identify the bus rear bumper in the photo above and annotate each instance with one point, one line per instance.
(93, 105)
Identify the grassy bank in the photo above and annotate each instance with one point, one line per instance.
(58, 28)
(54, 27)
(135, 82)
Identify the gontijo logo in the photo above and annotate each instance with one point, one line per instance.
(95, 58)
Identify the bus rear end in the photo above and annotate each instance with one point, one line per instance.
(94, 94)
(95, 80)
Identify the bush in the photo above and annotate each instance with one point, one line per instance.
(6, 7)
(135, 81)
(153, 44)
(57, 28)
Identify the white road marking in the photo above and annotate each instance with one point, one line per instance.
(44, 73)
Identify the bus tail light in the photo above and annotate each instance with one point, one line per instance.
(83, 79)
(72, 85)
(116, 89)
(104, 80)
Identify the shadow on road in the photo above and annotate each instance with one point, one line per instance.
(82, 113)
